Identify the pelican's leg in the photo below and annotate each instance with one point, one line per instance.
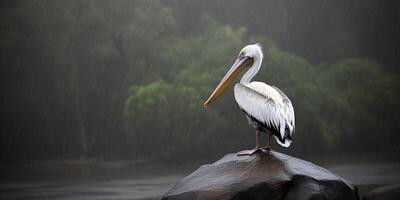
(252, 151)
(268, 147)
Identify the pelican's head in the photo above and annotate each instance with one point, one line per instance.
(246, 59)
(254, 51)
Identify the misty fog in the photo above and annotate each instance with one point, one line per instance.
(100, 91)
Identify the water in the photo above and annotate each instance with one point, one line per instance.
(127, 180)
(151, 188)
(368, 176)
(87, 180)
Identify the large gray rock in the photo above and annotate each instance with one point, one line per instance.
(269, 175)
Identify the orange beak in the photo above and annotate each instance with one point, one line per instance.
(240, 64)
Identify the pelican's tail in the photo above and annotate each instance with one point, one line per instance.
(286, 142)
(287, 138)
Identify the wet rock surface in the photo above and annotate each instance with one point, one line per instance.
(265, 175)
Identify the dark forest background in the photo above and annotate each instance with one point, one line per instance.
(127, 79)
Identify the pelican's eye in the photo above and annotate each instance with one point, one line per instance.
(241, 54)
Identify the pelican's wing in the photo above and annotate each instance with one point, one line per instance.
(263, 108)
(288, 108)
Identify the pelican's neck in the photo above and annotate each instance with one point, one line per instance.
(251, 72)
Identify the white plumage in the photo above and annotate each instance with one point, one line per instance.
(271, 109)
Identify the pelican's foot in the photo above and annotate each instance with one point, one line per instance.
(249, 152)
(266, 148)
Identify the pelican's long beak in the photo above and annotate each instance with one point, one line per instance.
(241, 63)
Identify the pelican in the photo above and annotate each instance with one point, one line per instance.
(266, 107)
